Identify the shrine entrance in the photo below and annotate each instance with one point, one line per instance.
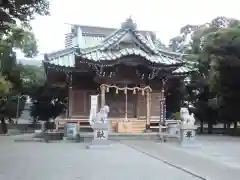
(123, 100)
(117, 102)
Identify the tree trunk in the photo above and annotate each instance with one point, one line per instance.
(225, 126)
(210, 127)
(229, 128)
(201, 126)
(4, 126)
(235, 128)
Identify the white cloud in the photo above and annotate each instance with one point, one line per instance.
(164, 17)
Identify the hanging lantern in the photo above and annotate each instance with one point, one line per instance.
(116, 90)
(143, 92)
(125, 90)
(107, 89)
(134, 91)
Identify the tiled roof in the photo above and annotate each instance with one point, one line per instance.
(106, 50)
(65, 57)
(147, 48)
(182, 70)
(116, 38)
(110, 55)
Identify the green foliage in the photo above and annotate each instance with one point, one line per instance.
(174, 96)
(22, 11)
(48, 102)
(16, 33)
(176, 115)
(32, 78)
(12, 103)
(223, 46)
(211, 43)
(5, 87)
(19, 37)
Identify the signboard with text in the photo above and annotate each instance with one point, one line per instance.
(94, 102)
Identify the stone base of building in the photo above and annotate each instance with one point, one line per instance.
(99, 144)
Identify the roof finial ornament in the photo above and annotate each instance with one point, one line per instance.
(129, 24)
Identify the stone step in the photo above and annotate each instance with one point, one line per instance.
(125, 136)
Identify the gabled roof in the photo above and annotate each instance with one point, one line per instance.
(98, 55)
(64, 57)
(145, 47)
(142, 46)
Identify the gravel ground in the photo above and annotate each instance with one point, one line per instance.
(71, 161)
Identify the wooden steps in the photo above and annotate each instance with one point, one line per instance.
(133, 125)
(138, 125)
(154, 123)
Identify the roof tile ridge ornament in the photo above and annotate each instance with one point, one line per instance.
(129, 24)
(143, 40)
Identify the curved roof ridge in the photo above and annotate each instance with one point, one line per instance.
(144, 41)
(61, 52)
(109, 55)
(105, 43)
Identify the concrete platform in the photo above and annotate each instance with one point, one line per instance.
(99, 144)
(72, 161)
(197, 161)
(155, 136)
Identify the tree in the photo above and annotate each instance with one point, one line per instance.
(11, 82)
(223, 46)
(22, 11)
(48, 103)
(15, 33)
(32, 78)
(191, 42)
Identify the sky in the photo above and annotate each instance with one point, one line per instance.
(163, 17)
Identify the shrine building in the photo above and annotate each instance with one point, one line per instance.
(127, 68)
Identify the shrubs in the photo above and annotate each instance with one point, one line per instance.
(176, 116)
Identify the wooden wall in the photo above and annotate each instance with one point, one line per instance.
(155, 103)
(79, 102)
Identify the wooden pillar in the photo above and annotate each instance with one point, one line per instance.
(70, 98)
(163, 101)
(103, 89)
(126, 104)
(148, 107)
(57, 125)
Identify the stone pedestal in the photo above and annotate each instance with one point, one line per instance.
(187, 134)
(100, 136)
(173, 128)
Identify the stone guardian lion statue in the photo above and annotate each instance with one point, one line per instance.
(100, 117)
(186, 117)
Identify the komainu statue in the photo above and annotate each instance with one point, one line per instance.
(100, 117)
(186, 118)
